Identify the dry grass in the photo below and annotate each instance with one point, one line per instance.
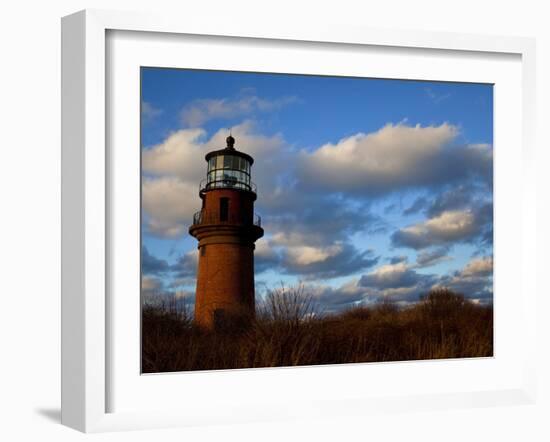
(289, 331)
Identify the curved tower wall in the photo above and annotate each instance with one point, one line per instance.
(226, 229)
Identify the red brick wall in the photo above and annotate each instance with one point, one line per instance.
(225, 276)
(241, 204)
(225, 280)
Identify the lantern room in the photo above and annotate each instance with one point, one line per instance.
(228, 168)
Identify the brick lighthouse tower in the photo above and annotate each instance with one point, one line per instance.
(226, 228)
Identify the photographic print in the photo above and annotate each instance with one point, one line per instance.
(299, 220)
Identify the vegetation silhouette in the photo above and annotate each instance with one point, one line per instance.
(290, 330)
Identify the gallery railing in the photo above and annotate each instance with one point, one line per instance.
(227, 184)
(203, 217)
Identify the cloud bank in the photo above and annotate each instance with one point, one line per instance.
(314, 203)
(395, 157)
(201, 111)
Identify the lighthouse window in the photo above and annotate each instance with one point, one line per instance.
(228, 162)
(231, 175)
(224, 209)
(231, 171)
(242, 164)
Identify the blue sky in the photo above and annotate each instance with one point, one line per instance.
(368, 189)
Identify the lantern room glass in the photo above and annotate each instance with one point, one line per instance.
(226, 170)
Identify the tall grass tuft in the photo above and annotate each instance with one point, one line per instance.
(290, 330)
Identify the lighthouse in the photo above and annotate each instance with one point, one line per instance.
(226, 228)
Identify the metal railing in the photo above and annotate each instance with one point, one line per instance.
(227, 184)
(203, 217)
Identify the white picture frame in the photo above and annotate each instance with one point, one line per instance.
(87, 206)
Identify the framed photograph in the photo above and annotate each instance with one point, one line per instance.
(268, 222)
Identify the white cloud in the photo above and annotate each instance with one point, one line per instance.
(448, 226)
(389, 154)
(181, 155)
(398, 281)
(432, 257)
(391, 276)
(264, 250)
(203, 110)
(150, 283)
(479, 267)
(307, 255)
(452, 224)
(396, 294)
(315, 255)
(169, 205)
(149, 112)
(174, 169)
(475, 280)
(394, 157)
